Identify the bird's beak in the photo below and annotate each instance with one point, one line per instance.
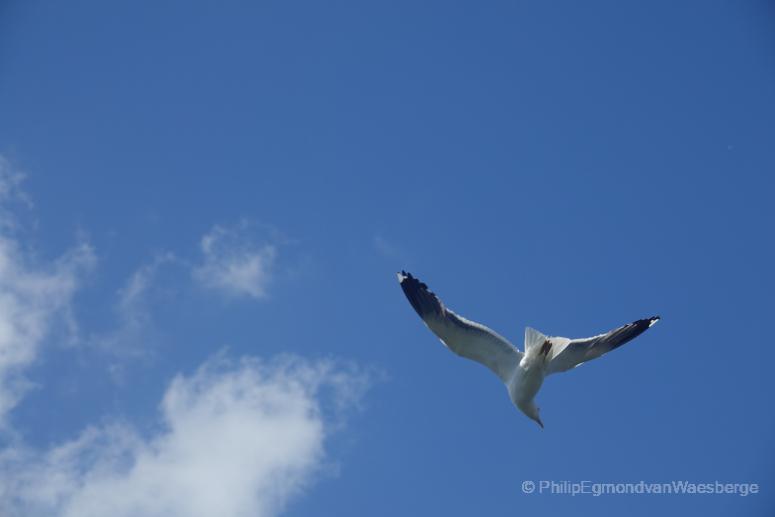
(540, 423)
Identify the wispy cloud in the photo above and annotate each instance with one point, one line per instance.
(237, 440)
(11, 193)
(130, 299)
(33, 296)
(391, 251)
(387, 249)
(235, 262)
(134, 313)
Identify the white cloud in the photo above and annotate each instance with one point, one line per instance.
(234, 263)
(233, 439)
(237, 440)
(33, 296)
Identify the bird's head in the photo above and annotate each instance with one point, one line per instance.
(535, 416)
(532, 411)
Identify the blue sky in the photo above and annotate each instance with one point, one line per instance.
(204, 206)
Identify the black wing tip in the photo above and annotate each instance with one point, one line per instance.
(422, 299)
(646, 322)
(403, 276)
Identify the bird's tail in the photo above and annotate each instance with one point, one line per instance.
(533, 340)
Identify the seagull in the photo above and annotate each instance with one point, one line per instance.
(523, 373)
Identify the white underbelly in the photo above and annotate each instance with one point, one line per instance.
(525, 385)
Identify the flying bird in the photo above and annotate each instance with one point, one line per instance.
(523, 373)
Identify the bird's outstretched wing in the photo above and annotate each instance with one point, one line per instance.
(466, 338)
(566, 354)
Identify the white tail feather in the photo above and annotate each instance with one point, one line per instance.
(533, 338)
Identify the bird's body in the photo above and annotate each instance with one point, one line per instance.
(524, 384)
(523, 373)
